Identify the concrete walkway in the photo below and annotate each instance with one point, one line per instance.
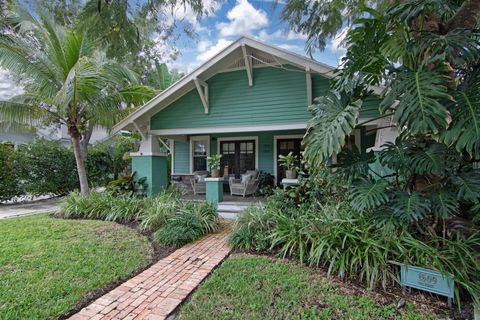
(26, 209)
(158, 291)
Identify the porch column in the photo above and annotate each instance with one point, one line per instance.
(214, 190)
(151, 163)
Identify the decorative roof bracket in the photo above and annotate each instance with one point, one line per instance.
(202, 88)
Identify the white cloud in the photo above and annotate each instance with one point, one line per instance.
(8, 87)
(336, 45)
(264, 36)
(203, 45)
(292, 35)
(244, 19)
(291, 47)
(213, 50)
(185, 12)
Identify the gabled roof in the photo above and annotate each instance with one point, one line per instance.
(233, 57)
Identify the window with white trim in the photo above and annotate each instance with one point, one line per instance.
(200, 148)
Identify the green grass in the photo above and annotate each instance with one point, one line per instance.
(47, 265)
(254, 287)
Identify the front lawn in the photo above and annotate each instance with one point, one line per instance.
(255, 287)
(48, 265)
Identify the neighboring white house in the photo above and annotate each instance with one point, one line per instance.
(8, 89)
(49, 133)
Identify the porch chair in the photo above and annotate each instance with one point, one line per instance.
(245, 186)
(198, 182)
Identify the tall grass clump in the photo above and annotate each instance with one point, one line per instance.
(102, 206)
(194, 220)
(352, 245)
(159, 210)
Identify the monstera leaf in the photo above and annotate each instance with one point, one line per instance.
(464, 131)
(410, 207)
(428, 159)
(334, 117)
(415, 97)
(468, 183)
(444, 203)
(368, 195)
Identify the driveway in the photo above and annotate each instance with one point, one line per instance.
(26, 209)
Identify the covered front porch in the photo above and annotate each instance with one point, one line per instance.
(172, 159)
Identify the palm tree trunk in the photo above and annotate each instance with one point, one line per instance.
(79, 159)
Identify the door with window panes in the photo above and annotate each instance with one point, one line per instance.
(239, 156)
(284, 147)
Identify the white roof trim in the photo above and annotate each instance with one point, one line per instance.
(170, 132)
(283, 54)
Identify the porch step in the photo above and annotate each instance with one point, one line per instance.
(230, 210)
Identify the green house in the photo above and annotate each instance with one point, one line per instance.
(249, 103)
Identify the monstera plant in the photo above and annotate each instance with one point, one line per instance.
(421, 59)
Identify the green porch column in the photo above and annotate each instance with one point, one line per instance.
(151, 163)
(214, 190)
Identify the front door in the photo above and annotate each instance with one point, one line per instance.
(239, 156)
(284, 147)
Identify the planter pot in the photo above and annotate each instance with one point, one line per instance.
(290, 174)
(215, 173)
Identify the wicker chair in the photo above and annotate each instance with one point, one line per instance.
(198, 187)
(245, 188)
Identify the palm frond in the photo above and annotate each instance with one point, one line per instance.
(334, 117)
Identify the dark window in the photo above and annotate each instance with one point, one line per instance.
(199, 155)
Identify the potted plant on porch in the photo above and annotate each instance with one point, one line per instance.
(213, 163)
(288, 162)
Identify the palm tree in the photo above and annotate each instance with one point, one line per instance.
(67, 80)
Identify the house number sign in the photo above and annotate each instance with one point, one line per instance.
(427, 280)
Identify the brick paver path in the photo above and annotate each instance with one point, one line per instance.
(158, 291)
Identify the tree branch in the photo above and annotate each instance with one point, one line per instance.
(465, 18)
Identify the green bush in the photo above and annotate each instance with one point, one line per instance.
(106, 161)
(102, 206)
(194, 220)
(174, 221)
(45, 167)
(351, 245)
(159, 210)
(9, 184)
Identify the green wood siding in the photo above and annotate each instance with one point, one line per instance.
(181, 157)
(276, 97)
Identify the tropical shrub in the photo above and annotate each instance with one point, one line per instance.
(351, 245)
(194, 220)
(9, 184)
(108, 160)
(129, 184)
(266, 183)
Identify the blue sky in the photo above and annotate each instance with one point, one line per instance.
(227, 22)
(232, 19)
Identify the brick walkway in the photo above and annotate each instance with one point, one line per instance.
(158, 291)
